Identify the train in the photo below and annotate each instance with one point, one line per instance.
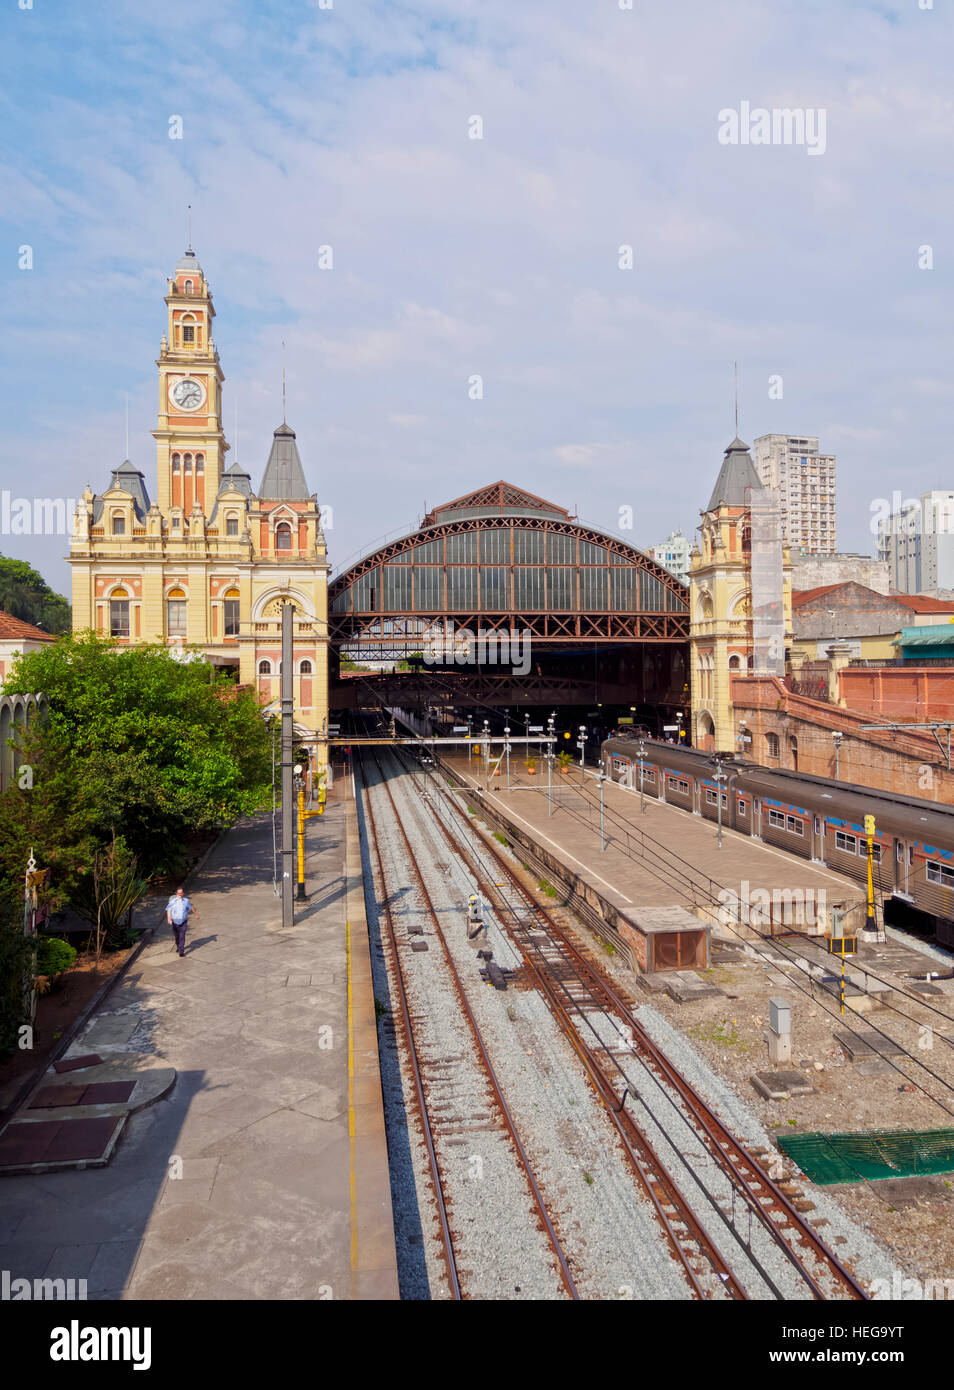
(814, 817)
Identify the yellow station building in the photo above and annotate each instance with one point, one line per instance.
(209, 562)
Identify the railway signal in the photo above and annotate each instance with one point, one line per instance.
(869, 834)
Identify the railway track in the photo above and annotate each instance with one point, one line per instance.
(452, 1104)
(732, 1230)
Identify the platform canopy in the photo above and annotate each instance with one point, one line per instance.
(503, 558)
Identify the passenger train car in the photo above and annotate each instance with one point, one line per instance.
(816, 818)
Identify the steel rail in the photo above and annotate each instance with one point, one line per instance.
(650, 1171)
(436, 1180)
(555, 1244)
(721, 1143)
(723, 1146)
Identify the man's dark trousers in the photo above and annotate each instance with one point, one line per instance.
(180, 930)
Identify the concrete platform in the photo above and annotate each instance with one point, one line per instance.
(263, 1173)
(625, 876)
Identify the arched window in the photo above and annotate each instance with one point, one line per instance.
(735, 663)
(187, 287)
(305, 668)
(176, 624)
(176, 463)
(231, 526)
(771, 745)
(264, 668)
(188, 463)
(188, 329)
(232, 608)
(283, 536)
(119, 613)
(200, 463)
(119, 524)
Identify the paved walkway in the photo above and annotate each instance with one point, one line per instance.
(263, 1174)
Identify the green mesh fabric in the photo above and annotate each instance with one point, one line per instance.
(870, 1154)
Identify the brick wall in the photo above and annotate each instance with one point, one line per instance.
(909, 763)
(911, 693)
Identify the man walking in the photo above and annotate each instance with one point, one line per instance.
(178, 911)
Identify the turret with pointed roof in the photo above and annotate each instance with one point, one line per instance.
(726, 597)
(284, 476)
(130, 479)
(737, 478)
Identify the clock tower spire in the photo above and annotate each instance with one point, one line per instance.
(190, 438)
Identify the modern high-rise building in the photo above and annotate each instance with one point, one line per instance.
(805, 482)
(673, 555)
(917, 541)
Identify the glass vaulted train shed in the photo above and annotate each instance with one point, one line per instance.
(503, 599)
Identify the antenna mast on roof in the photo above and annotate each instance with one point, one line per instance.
(127, 425)
(189, 229)
(735, 375)
(283, 382)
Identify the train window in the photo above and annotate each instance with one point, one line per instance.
(876, 853)
(848, 843)
(678, 784)
(711, 797)
(795, 825)
(910, 854)
(899, 851)
(777, 818)
(940, 873)
(741, 807)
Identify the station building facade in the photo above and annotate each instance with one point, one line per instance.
(208, 562)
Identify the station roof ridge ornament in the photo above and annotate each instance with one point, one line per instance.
(496, 498)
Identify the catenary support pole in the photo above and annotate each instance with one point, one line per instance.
(288, 791)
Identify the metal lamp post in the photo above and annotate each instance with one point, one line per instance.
(581, 744)
(836, 739)
(507, 750)
(487, 750)
(550, 765)
(642, 788)
(719, 777)
(602, 834)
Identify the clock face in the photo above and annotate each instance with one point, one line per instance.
(187, 394)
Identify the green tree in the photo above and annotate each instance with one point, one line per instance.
(17, 963)
(25, 594)
(135, 744)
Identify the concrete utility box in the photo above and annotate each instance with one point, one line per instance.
(780, 1016)
(665, 938)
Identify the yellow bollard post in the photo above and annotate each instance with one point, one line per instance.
(301, 840)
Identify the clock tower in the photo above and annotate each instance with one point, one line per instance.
(190, 441)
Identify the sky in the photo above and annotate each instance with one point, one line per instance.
(350, 124)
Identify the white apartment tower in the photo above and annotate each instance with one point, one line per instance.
(805, 482)
(917, 540)
(673, 555)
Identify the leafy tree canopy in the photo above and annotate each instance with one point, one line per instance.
(26, 595)
(135, 744)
